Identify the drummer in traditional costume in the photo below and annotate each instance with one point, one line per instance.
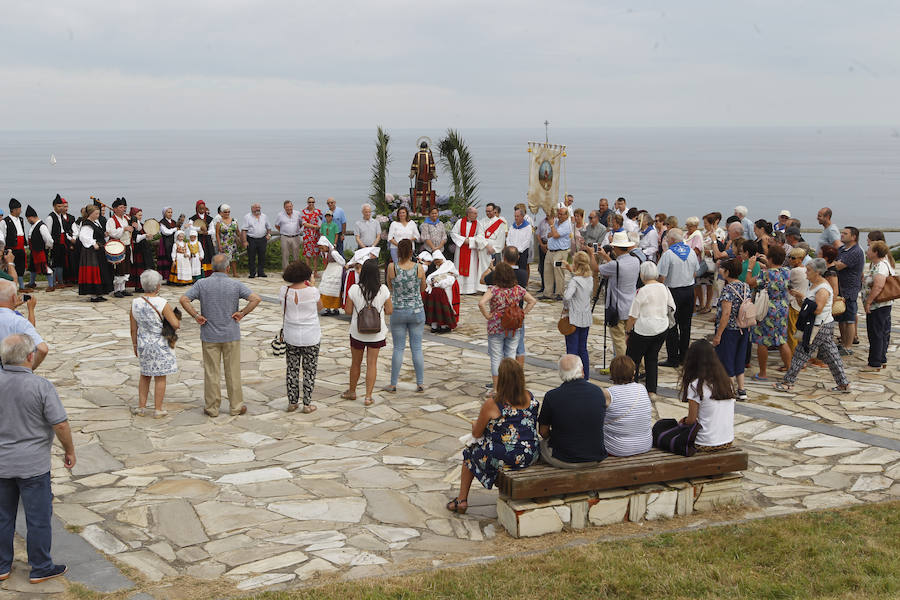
(180, 273)
(118, 228)
(332, 276)
(167, 229)
(94, 275)
(12, 230)
(441, 295)
(467, 234)
(198, 254)
(204, 236)
(354, 266)
(141, 252)
(64, 255)
(41, 242)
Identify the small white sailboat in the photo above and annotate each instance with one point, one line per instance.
(52, 159)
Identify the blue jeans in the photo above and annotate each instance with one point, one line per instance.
(393, 249)
(38, 504)
(32, 278)
(500, 346)
(406, 321)
(576, 343)
(520, 351)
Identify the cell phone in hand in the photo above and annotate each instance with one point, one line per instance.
(558, 263)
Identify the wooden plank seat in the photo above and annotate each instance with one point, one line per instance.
(655, 466)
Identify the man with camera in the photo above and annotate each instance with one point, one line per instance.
(622, 272)
(558, 243)
(12, 322)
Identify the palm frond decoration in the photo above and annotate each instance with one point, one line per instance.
(456, 158)
(380, 172)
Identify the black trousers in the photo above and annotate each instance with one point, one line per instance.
(647, 348)
(878, 329)
(541, 254)
(256, 255)
(679, 337)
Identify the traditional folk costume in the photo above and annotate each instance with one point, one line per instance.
(354, 266)
(12, 229)
(64, 255)
(180, 273)
(94, 275)
(441, 295)
(115, 230)
(468, 237)
(141, 251)
(41, 242)
(332, 276)
(206, 239)
(198, 255)
(167, 229)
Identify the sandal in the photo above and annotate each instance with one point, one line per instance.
(844, 389)
(420, 388)
(758, 377)
(138, 411)
(291, 407)
(454, 506)
(369, 401)
(783, 369)
(309, 408)
(348, 395)
(389, 388)
(783, 387)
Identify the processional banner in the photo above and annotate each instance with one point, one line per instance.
(543, 187)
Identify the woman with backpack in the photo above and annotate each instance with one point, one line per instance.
(731, 338)
(367, 302)
(501, 306)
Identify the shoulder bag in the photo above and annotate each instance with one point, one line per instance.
(563, 324)
(891, 289)
(168, 332)
(671, 436)
(611, 315)
(279, 346)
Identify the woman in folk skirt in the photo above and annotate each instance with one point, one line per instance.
(441, 295)
(167, 229)
(94, 274)
(330, 285)
(141, 252)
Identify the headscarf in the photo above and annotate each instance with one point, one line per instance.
(198, 205)
(324, 241)
(438, 255)
(165, 208)
(133, 211)
(424, 256)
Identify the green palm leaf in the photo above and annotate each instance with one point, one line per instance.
(456, 158)
(380, 172)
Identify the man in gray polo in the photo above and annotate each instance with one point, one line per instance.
(30, 415)
(368, 230)
(677, 267)
(220, 333)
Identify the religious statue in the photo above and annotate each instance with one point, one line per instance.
(422, 197)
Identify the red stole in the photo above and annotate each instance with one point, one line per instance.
(490, 230)
(465, 253)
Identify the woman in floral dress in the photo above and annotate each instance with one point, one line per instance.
(227, 236)
(310, 221)
(505, 432)
(772, 331)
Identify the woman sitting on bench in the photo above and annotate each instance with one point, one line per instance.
(706, 387)
(505, 432)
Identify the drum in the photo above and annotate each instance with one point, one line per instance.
(126, 238)
(115, 251)
(151, 227)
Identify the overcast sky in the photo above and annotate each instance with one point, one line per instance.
(188, 64)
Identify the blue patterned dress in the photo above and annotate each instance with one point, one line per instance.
(154, 354)
(509, 442)
(772, 331)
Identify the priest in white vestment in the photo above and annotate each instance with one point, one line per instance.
(495, 229)
(468, 234)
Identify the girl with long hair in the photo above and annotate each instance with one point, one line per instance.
(706, 387)
(368, 292)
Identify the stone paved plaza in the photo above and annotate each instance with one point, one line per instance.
(272, 500)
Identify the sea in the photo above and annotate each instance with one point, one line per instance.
(682, 171)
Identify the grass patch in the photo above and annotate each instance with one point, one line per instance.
(849, 553)
(74, 528)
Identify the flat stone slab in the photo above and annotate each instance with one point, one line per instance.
(177, 522)
(256, 476)
(346, 510)
(92, 458)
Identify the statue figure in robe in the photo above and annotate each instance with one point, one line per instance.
(423, 172)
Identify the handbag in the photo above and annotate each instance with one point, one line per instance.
(762, 305)
(611, 314)
(671, 436)
(168, 332)
(670, 314)
(891, 289)
(839, 306)
(279, 346)
(563, 324)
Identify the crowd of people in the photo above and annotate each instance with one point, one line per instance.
(769, 289)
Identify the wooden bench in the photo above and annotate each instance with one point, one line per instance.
(542, 480)
(543, 499)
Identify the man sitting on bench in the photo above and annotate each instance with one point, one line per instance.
(571, 419)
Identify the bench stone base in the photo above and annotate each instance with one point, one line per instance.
(540, 516)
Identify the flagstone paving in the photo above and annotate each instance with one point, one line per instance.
(271, 499)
